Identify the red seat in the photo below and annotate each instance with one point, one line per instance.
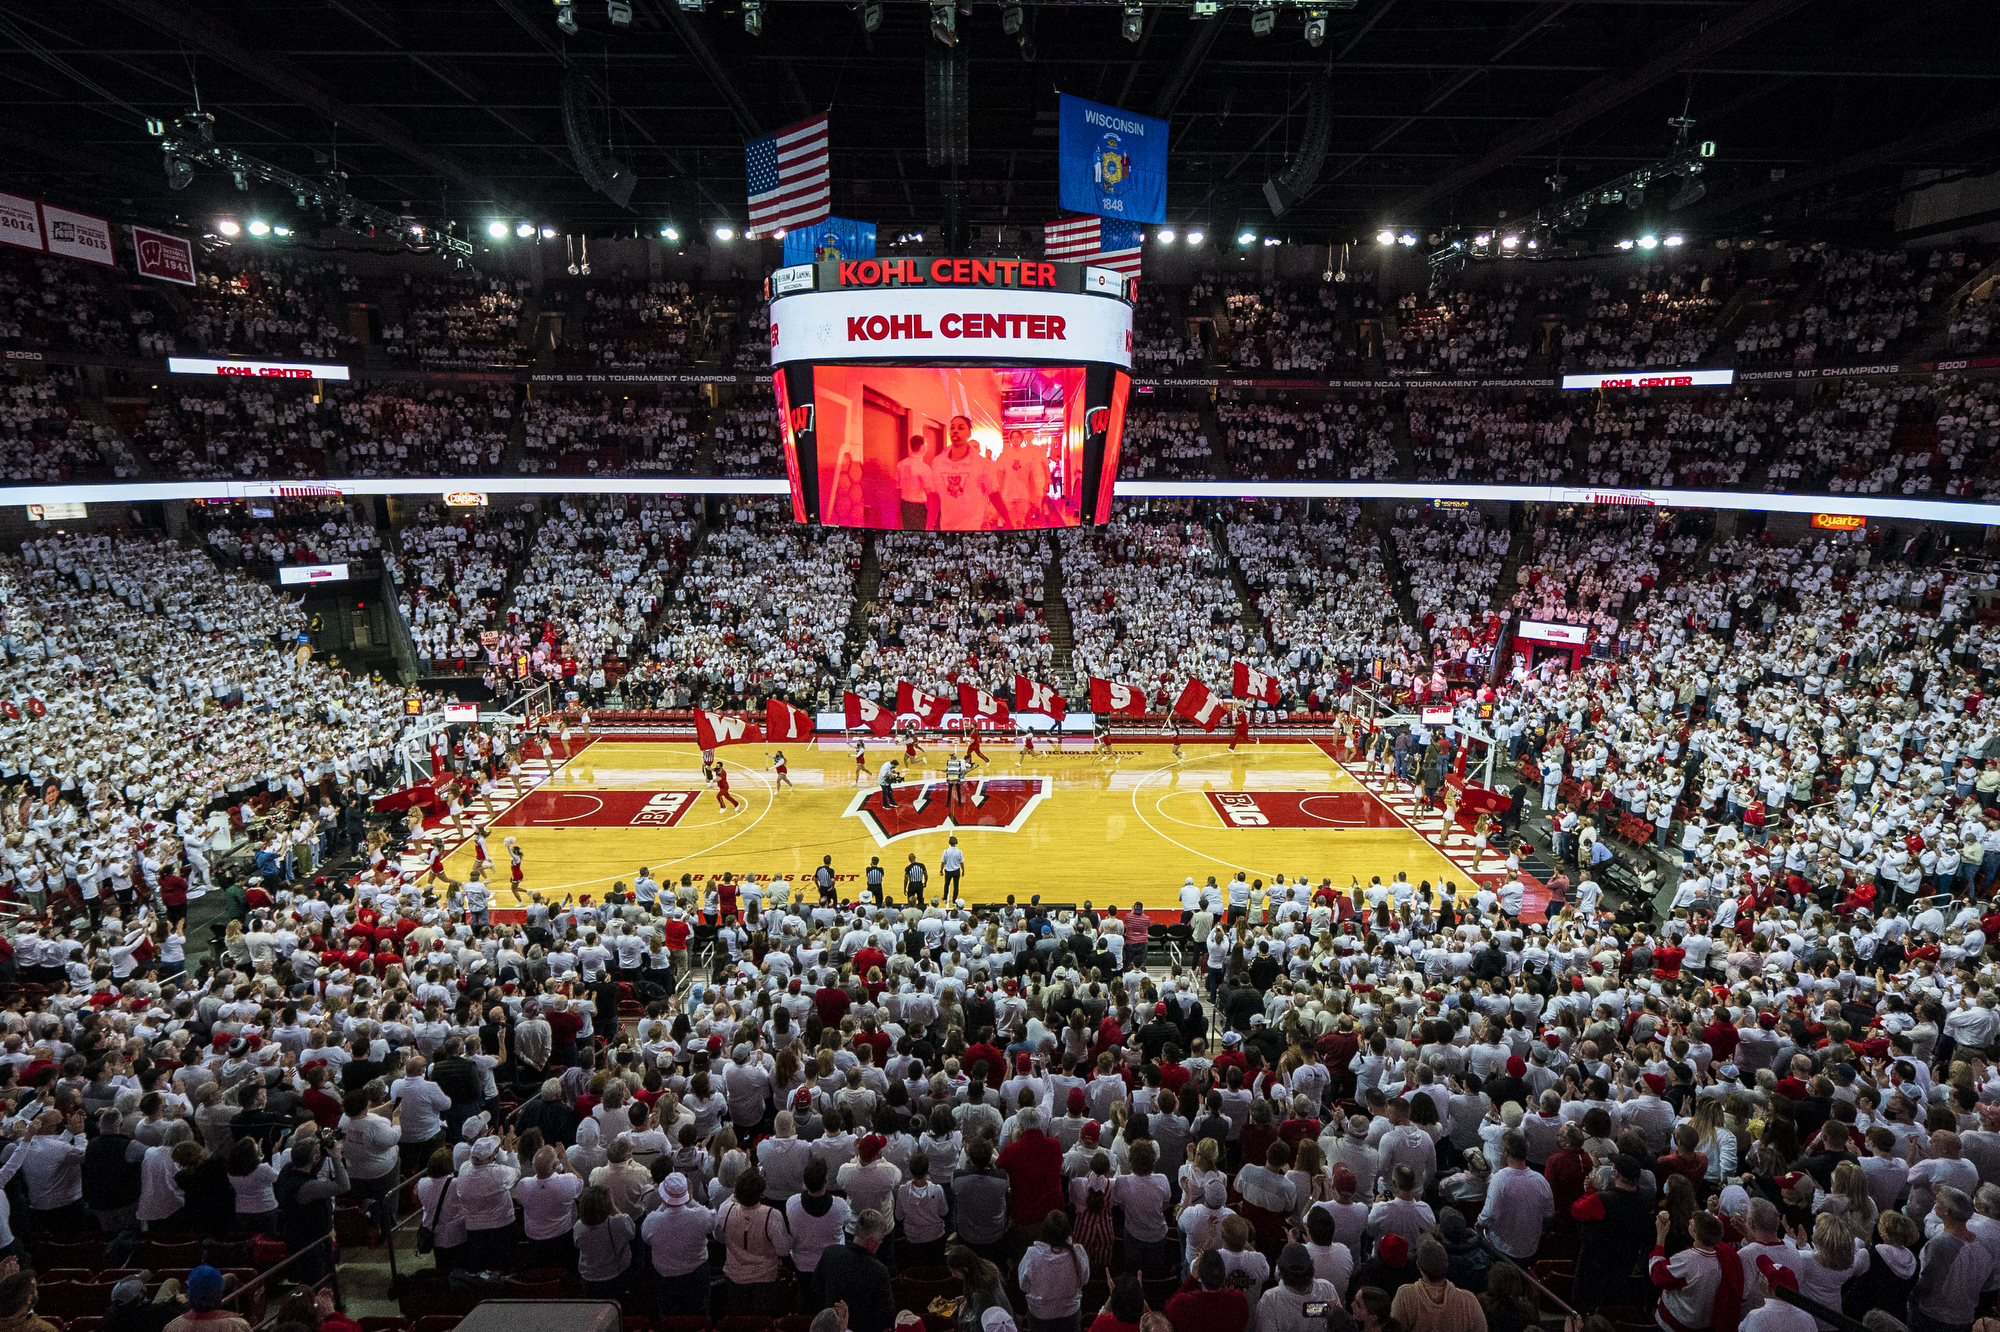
(84, 1325)
(635, 1325)
(746, 1323)
(682, 1323)
(379, 1323)
(155, 1254)
(795, 1323)
(438, 1322)
(87, 1254)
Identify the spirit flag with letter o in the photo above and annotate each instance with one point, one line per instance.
(782, 721)
(1256, 684)
(865, 712)
(712, 730)
(1200, 705)
(926, 708)
(1031, 696)
(1110, 162)
(980, 706)
(1115, 696)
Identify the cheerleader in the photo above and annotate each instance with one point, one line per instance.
(777, 764)
(479, 849)
(514, 862)
(436, 870)
(1101, 741)
(860, 753)
(1025, 745)
(1174, 731)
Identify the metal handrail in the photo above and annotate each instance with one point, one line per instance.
(269, 1272)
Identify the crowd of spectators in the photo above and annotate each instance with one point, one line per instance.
(1288, 435)
(44, 436)
(1150, 600)
(1499, 435)
(268, 305)
(951, 608)
(1463, 332)
(1664, 316)
(452, 569)
(657, 430)
(288, 531)
(460, 320)
(627, 325)
(1165, 441)
(1323, 596)
(595, 578)
(1451, 561)
(761, 609)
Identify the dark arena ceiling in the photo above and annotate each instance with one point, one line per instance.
(1442, 110)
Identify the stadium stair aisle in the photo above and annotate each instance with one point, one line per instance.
(1517, 550)
(512, 456)
(1055, 613)
(1247, 613)
(1399, 581)
(1399, 435)
(867, 586)
(1218, 439)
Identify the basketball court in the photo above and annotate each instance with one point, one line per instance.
(1065, 824)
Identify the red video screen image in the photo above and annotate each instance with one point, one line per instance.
(940, 449)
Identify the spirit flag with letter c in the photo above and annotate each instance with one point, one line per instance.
(980, 706)
(865, 712)
(712, 730)
(1110, 162)
(782, 721)
(1115, 696)
(1200, 705)
(927, 708)
(1256, 684)
(1030, 696)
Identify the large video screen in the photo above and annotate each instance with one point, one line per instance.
(949, 448)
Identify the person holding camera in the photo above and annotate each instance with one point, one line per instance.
(1302, 1300)
(305, 1192)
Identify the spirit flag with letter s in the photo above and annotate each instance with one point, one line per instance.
(1115, 696)
(1112, 163)
(866, 712)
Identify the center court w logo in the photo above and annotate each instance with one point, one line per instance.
(999, 804)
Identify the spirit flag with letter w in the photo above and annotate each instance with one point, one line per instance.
(1112, 163)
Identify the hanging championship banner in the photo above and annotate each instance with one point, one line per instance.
(77, 235)
(20, 222)
(164, 256)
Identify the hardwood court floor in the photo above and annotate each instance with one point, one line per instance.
(1064, 825)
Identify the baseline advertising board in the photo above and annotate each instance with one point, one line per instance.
(949, 395)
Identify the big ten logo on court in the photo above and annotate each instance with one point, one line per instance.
(663, 809)
(1239, 809)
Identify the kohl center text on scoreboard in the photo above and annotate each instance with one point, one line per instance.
(959, 309)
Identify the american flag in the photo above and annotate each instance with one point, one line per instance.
(787, 177)
(1104, 241)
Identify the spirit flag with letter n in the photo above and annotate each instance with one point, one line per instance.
(787, 178)
(1111, 162)
(1094, 240)
(1252, 683)
(1033, 696)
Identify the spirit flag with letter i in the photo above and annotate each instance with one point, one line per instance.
(782, 721)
